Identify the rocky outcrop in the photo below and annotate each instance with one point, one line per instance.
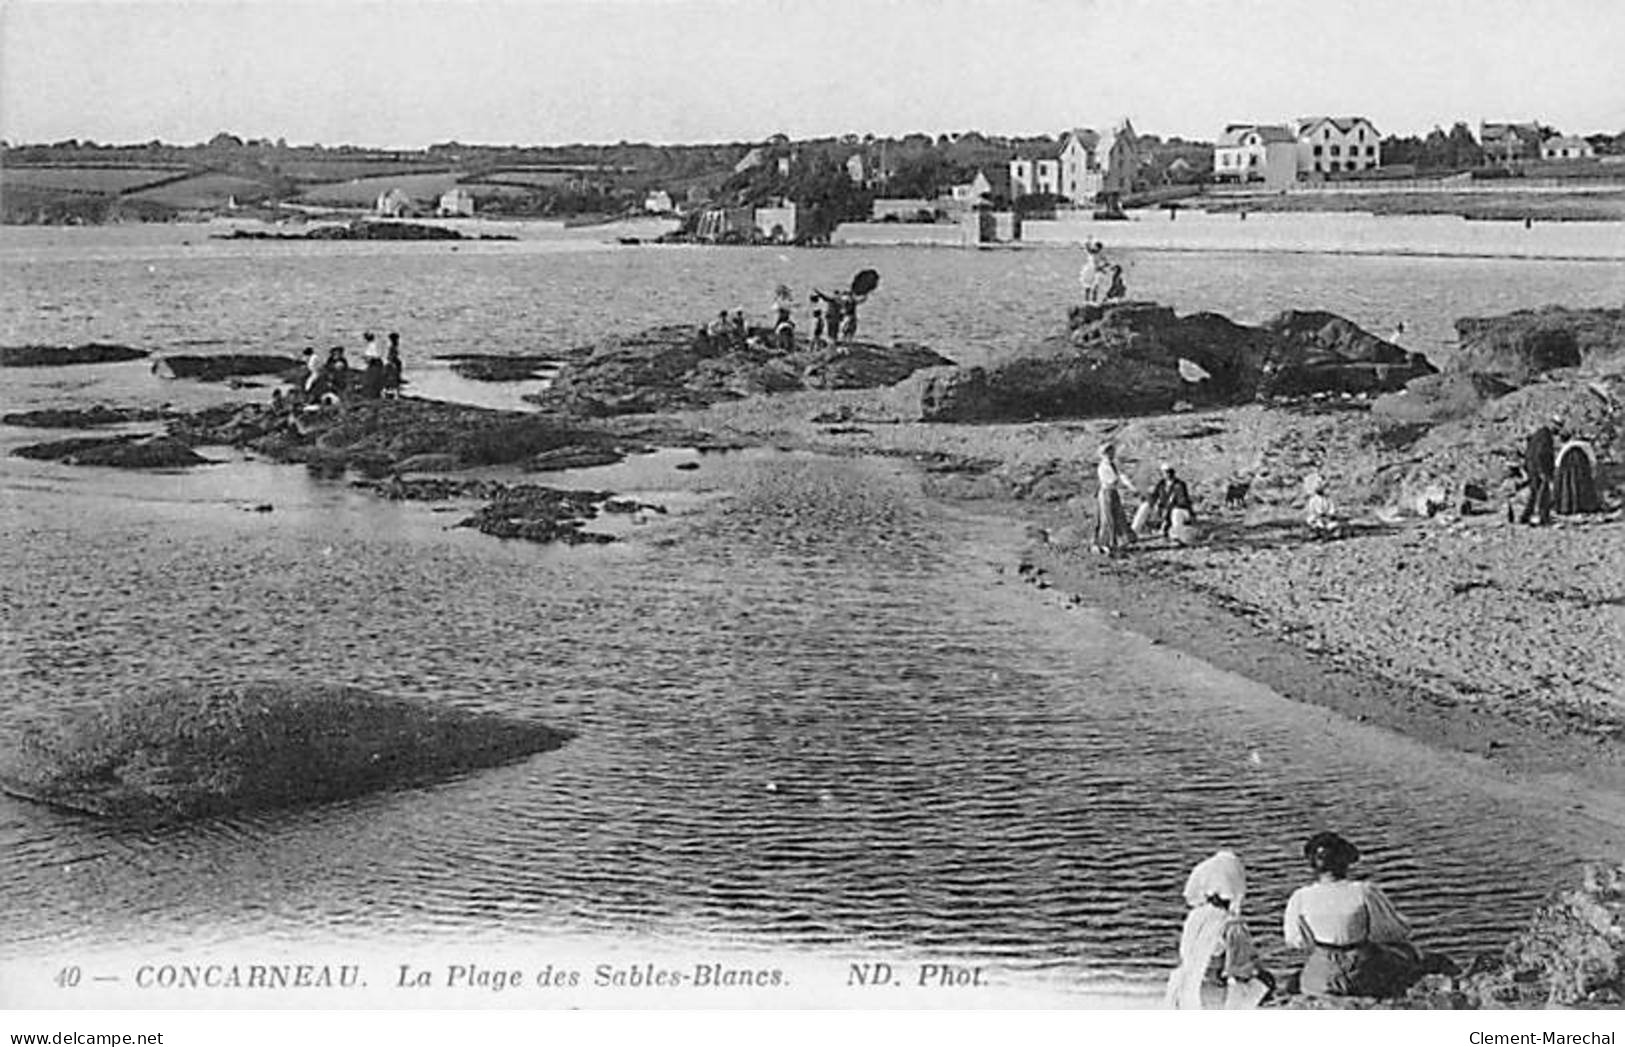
(1438, 398)
(84, 417)
(120, 452)
(219, 368)
(381, 437)
(180, 754)
(489, 368)
(1139, 357)
(365, 231)
(540, 514)
(524, 511)
(1521, 345)
(62, 355)
(1485, 448)
(679, 368)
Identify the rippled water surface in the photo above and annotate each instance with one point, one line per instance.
(811, 711)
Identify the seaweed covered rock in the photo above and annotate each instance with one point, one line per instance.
(121, 452)
(680, 368)
(173, 755)
(481, 367)
(63, 355)
(381, 436)
(83, 417)
(539, 514)
(1140, 357)
(231, 365)
(1521, 345)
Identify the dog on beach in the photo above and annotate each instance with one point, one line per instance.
(1235, 493)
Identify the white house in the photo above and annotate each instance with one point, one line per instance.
(392, 204)
(854, 168)
(1036, 170)
(1566, 147)
(780, 223)
(1081, 166)
(1265, 153)
(1328, 144)
(974, 191)
(456, 202)
(657, 202)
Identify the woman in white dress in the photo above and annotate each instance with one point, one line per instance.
(1358, 943)
(1112, 530)
(1218, 962)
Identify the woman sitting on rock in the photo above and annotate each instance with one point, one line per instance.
(1358, 943)
(1218, 962)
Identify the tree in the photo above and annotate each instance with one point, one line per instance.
(1464, 151)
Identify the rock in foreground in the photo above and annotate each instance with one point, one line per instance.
(1139, 357)
(61, 355)
(184, 754)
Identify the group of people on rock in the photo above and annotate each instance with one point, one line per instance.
(1357, 942)
(333, 379)
(1559, 478)
(834, 322)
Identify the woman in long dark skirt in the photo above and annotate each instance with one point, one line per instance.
(1574, 488)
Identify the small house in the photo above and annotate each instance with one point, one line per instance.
(778, 224)
(456, 202)
(658, 202)
(392, 203)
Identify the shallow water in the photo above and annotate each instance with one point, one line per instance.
(812, 713)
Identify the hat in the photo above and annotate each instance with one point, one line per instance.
(1166, 467)
(1106, 449)
(1220, 876)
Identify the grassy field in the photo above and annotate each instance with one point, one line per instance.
(529, 177)
(207, 190)
(363, 192)
(84, 179)
(351, 170)
(1553, 206)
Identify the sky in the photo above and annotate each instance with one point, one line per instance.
(407, 74)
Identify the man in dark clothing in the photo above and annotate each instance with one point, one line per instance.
(1539, 468)
(1169, 494)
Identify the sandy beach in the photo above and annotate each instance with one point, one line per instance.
(1481, 637)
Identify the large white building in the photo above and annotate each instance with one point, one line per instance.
(1337, 144)
(1081, 166)
(1265, 153)
(1566, 147)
